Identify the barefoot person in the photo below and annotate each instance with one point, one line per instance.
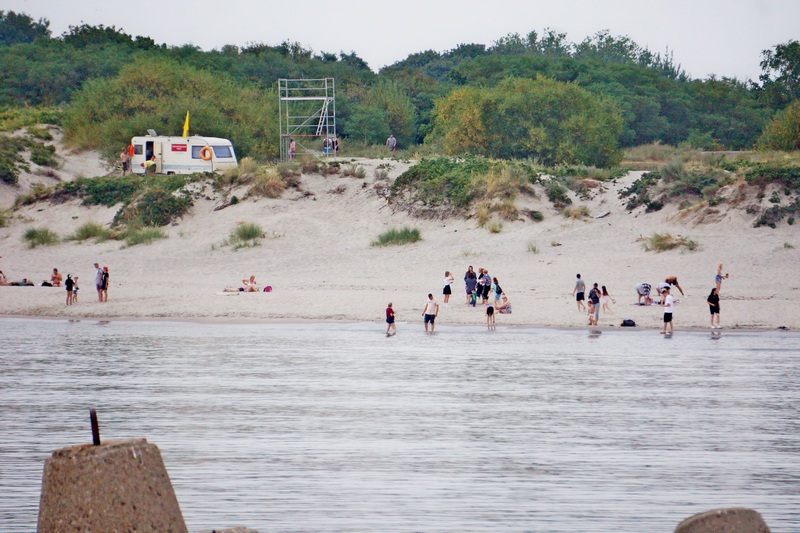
(504, 307)
(471, 283)
(667, 302)
(719, 277)
(673, 281)
(713, 305)
(490, 316)
(391, 329)
(447, 290)
(98, 281)
(56, 278)
(578, 292)
(605, 299)
(104, 285)
(69, 285)
(430, 312)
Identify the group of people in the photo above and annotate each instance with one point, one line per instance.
(70, 283)
(594, 299)
(330, 145)
(643, 292)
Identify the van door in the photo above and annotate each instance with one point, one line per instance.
(158, 153)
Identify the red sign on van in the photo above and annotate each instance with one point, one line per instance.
(178, 147)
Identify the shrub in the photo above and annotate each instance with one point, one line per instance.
(40, 236)
(557, 194)
(495, 227)
(309, 164)
(269, 185)
(44, 155)
(154, 208)
(288, 169)
(381, 173)
(142, 236)
(90, 230)
(661, 242)
(532, 248)
(245, 235)
(39, 133)
(576, 213)
(394, 236)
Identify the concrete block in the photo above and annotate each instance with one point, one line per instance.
(731, 520)
(118, 486)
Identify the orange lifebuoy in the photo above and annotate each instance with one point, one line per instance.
(205, 153)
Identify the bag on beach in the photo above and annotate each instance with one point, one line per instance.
(628, 323)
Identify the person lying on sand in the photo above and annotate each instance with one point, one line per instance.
(250, 285)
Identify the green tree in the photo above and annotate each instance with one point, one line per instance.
(157, 93)
(780, 75)
(21, 28)
(783, 131)
(520, 118)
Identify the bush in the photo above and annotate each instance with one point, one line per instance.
(44, 155)
(661, 242)
(557, 194)
(143, 236)
(245, 235)
(269, 185)
(576, 213)
(90, 230)
(155, 207)
(394, 237)
(40, 236)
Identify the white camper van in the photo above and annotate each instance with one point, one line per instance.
(182, 155)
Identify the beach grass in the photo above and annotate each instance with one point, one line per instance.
(90, 230)
(662, 242)
(40, 237)
(395, 236)
(144, 235)
(245, 235)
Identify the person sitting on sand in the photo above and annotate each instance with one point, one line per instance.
(24, 283)
(56, 278)
(503, 306)
(3, 279)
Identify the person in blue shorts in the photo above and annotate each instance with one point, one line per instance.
(430, 312)
(391, 329)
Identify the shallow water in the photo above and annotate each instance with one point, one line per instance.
(334, 427)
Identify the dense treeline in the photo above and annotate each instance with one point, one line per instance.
(429, 97)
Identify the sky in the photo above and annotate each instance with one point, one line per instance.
(706, 37)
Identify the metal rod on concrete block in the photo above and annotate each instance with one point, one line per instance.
(95, 427)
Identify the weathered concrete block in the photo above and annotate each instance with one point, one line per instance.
(732, 520)
(118, 486)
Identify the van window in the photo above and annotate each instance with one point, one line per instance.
(196, 152)
(223, 151)
(137, 149)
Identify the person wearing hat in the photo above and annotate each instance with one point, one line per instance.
(667, 302)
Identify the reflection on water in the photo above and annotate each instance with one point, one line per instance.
(336, 428)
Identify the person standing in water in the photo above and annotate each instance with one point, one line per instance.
(667, 302)
(429, 313)
(578, 292)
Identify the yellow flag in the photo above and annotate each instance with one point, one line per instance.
(186, 125)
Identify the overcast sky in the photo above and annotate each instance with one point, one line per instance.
(724, 38)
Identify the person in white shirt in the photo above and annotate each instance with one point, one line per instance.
(667, 302)
(430, 312)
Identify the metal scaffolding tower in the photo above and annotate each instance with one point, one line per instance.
(307, 112)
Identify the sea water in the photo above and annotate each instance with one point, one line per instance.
(335, 427)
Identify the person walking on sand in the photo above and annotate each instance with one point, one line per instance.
(605, 299)
(391, 329)
(447, 290)
(578, 292)
(430, 312)
(719, 277)
(713, 305)
(98, 281)
(391, 143)
(69, 284)
(667, 302)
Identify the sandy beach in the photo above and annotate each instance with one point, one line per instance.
(318, 259)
